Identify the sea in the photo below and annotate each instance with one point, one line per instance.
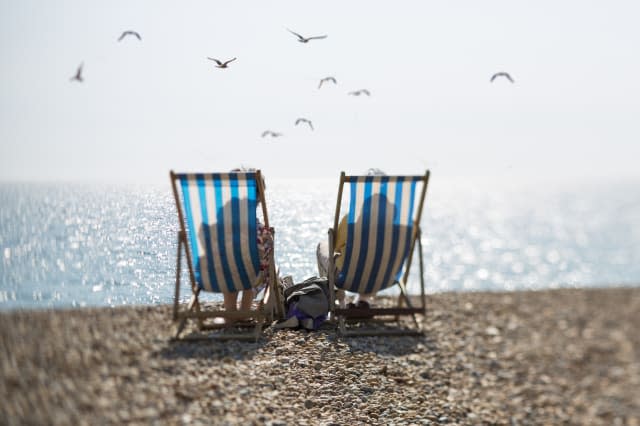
(65, 245)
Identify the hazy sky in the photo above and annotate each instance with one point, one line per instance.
(146, 107)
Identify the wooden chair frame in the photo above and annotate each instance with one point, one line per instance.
(269, 308)
(341, 315)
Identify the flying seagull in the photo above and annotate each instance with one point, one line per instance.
(126, 33)
(270, 133)
(304, 120)
(78, 76)
(324, 80)
(302, 39)
(360, 92)
(501, 74)
(220, 64)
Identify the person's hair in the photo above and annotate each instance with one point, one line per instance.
(243, 169)
(375, 172)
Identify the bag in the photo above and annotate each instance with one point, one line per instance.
(308, 300)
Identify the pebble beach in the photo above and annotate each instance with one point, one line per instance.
(568, 356)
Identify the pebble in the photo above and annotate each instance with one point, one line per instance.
(473, 366)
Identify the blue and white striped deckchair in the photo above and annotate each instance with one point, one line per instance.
(383, 225)
(219, 233)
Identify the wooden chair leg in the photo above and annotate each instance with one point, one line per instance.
(258, 330)
(330, 274)
(273, 304)
(197, 309)
(180, 327)
(342, 327)
(194, 305)
(341, 295)
(266, 305)
(176, 300)
(405, 298)
(423, 296)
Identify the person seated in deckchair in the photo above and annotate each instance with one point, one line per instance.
(265, 248)
(322, 257)
(322, 252)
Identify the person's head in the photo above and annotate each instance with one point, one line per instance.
(243, 169)
(375, 172)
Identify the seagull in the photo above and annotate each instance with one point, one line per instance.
(221, 64)
(78, 76)
(270, 133)
(501, 74)
(126, 33)
(324, 80)
(360, 92)
(304, 120)
(302, 39)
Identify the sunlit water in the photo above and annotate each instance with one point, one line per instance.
(64, 245)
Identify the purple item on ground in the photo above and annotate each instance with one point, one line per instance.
(294, 311)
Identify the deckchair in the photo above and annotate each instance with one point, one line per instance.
(383, 229)
(218, 233)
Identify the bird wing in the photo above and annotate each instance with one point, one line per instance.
(296, 34)
(366, 92)
(215, 60)
(122, 36)
(310, 124)
(136, 34)
(265, 133)
(78, 75)
(320, 85)
(299, 120)
(316, 37)
(230, 60)
(502, 74)
(332, 79)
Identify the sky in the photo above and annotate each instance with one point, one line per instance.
(149, 106)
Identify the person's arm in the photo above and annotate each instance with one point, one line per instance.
(341, 242)
(341, 236)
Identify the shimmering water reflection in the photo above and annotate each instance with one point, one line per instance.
(81, 245)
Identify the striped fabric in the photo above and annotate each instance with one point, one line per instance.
(379, 230)
(221, 223)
